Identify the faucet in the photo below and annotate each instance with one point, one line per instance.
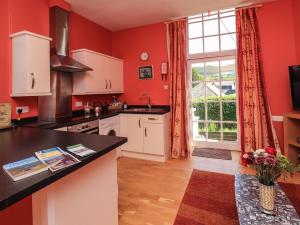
(149, 100)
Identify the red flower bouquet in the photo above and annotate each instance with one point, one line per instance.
(269, 164)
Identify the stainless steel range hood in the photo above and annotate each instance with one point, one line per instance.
(59, 32)
(58, 106)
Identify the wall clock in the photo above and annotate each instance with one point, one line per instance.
(144, 56)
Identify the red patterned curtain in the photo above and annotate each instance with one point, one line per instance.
(255, 118)
(176, 32)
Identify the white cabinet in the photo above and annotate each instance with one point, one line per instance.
(154, 138)
(131, 127)
(148, 136)
(115, 75)
(106, 77)
(30, 64)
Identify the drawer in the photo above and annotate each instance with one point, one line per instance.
(153, 118)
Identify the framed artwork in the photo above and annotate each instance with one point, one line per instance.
(145, 72)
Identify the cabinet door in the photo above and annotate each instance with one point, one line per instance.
(115, 75)
(154, 138)
(95, 80)
(132, 128)
(38, 65)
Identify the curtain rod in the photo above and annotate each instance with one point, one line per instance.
(237, 8)
(249, 6)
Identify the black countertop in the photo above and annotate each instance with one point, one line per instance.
(80, 117)
(22, 142)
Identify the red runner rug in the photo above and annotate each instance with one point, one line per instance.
(210, 200)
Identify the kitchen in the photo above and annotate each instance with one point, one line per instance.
(70, 97)
(135, 112)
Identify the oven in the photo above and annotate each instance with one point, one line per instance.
(91, 127)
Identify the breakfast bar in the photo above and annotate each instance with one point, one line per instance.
(79, 194)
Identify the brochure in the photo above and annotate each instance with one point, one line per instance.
(24, 168)
(56, 159)
(80, 150)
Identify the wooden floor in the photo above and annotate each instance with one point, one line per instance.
(150, 192)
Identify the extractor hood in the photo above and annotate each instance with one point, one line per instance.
(59, 32)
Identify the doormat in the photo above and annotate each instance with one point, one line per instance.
(212, 153)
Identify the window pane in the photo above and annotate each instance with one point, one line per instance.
(195, 30)
(211, 15)
(213, 111)
(224, 13)
(212, 71)
(228, 42)
(212, 91)
(214, 131)
(211, 44)
(198, 91)
(198, 72)
(199, 110)
(230, 132)
(227, 69)
(229, 111)
(199, 131)
(228, 88)
(196, 46)
(227, 25)
(211, 27)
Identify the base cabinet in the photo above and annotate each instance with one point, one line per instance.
(148, 136)
(154, 138)
(131, 127)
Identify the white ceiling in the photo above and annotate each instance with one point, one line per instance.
(122, 14)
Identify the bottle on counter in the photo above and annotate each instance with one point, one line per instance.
(125, 105)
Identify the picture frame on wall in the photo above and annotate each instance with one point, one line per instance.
(145, 72)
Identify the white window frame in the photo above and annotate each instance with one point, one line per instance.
(205, 57)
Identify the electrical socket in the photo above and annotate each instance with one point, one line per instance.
(166, 87)
(25, 109)
(78, 104)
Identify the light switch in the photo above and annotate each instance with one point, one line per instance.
(166, 87)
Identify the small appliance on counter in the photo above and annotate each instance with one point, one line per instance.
(5, 115)
(97, 108)
(88, 108)
(116, 104)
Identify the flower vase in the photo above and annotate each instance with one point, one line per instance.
(267, 199)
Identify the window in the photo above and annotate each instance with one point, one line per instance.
(212, 50)
(212, 32)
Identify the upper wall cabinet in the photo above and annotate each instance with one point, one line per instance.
(106, 77)
(30, 64)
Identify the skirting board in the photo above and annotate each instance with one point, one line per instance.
(143, 156)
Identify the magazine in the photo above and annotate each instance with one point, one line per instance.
(80, 150)
(56, 159)
(24, 168)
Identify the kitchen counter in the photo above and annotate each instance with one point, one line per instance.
(80, 117)
(22, 142)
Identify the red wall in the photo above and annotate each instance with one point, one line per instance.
(278, 46)
(128, 44)
(87, 34)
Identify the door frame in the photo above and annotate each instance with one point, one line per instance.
(211, 144)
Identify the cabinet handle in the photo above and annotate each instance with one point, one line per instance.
(152, 118)
(106, 84)
(32, 81)
(145, 131)
(109, 84)
(139, 123)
